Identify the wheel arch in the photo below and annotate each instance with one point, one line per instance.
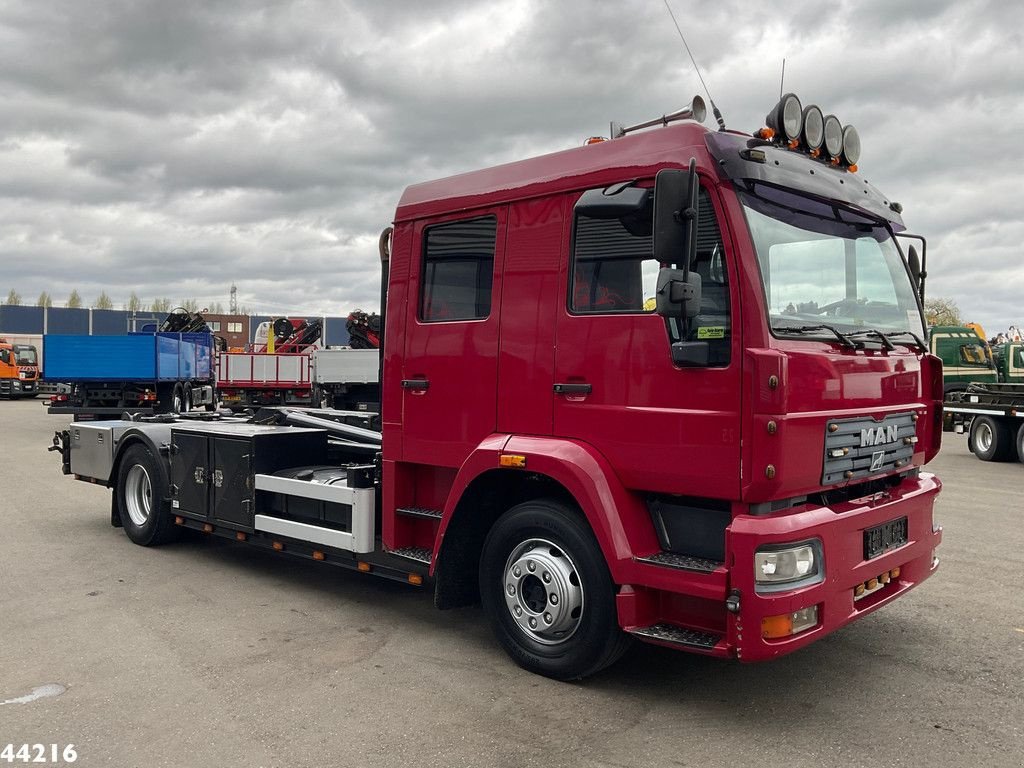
(153, 440)
(570, 472)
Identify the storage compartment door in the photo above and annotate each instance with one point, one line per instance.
(232, 481)
(190, 473)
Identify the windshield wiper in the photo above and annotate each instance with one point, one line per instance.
(886, 338)
(877, 334)
(844, 340)
(917, 339)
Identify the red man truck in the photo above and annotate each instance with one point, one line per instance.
(671, 386)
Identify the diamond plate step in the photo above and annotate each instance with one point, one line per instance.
(682, 562)
(668, 633)
(419, 554)
(431, 514)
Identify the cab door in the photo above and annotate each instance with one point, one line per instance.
(663, 428)
(450, 369)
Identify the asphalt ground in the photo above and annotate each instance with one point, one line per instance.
(207, 653)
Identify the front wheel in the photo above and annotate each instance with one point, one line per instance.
(547, 592)
(142, 499)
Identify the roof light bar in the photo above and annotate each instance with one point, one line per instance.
(807, 129)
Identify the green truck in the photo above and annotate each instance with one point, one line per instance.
(1009, 361)
(965, 356)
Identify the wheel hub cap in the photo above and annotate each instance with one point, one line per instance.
(543, 591)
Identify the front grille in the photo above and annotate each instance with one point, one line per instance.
(868, 447)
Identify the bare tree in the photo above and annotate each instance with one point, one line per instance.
(134, 303)
(160, 305)
(216, 308)
(189, 304)
(44, 300)
(74, 300)
(13, 298)
(942, 311)
(103, 302)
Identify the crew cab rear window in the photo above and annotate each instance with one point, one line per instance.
(458, 270)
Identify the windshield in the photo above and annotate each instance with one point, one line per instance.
(25, 355)
(823, 264)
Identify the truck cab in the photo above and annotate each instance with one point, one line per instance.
(19, 370)
(713, 404)
(966, 357)
(1009, 361)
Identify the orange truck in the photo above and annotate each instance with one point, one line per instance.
(19, 370)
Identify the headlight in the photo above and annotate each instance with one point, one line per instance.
(833, 136)
(814, 127)
(851, 145)
(782, 567)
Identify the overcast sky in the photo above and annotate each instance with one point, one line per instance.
(172, 148)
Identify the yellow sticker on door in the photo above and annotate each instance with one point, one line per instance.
(711, 332)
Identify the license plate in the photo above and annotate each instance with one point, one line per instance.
(884, 537)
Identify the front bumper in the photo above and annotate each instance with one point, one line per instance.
(723, 607)
(841, 531)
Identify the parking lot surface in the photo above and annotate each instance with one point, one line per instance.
(206, 653)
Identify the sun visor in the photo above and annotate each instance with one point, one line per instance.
(742, 158)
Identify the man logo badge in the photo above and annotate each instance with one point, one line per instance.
(879, 435)
(877, 460)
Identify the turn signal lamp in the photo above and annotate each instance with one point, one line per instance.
(788, 624)
(833, 130)
(814, 127)
(786, 119)
(511, 460)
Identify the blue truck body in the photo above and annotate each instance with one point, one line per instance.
(138, 371)
(139, 357)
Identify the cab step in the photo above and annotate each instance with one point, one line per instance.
(681, 562)
(419, 554)
(430, 514)
(669, 634)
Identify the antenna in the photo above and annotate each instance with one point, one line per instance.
(782, 80)
(711, 101)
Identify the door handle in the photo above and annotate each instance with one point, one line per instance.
(415, 383)
(572, 389)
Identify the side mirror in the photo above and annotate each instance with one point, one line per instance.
(612, 203)
(691, 354)
(675, 215)
(914, 262)
(678, 293)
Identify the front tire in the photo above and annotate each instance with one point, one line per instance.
(546, 589)
(142, 498)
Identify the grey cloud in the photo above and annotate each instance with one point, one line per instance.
(172, 148)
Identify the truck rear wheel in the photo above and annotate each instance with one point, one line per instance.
(548, 594)
(142, 499)
(1020, 443)
(178, 399)
(991, 439)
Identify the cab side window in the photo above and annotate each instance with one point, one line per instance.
(458, 270)
(5, 356)
(613, 271)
